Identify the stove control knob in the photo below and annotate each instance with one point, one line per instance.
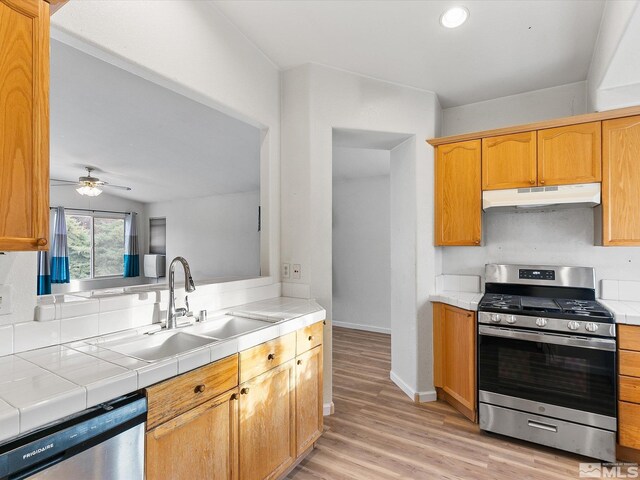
(541, 322)
(591, 327)
(573, 325)
(496, 318)
(511, 319)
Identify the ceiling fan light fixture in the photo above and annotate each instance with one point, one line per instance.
(89, 191)
(454, 17)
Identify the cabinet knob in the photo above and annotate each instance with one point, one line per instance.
(299, 362)
(541, 182)
(234, 396)
(41, 242)
(477, 242)
(532, 182)
(199, 388)
(310, 337)
(271, 356)
(244, 391)
(324, 322)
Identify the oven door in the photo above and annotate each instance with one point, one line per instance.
(576, 373)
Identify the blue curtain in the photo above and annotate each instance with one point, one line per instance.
(131, 256)
(59, 250)
(44, 275)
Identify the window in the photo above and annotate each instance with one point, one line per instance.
(96, 246)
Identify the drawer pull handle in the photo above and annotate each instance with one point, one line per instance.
(310, 337)
(543, 426)
(199, 388)
(234, 396)
(299, 362)
(271, 356)
(244, 391)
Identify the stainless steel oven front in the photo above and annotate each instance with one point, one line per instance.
(551, 388)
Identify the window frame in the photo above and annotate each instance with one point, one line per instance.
(92, 255)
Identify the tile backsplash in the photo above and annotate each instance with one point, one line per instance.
(624, 290)
(69, 317)
(458, 283)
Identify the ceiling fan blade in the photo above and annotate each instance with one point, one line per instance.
(119, 187)
(63, 182)
(63, 185)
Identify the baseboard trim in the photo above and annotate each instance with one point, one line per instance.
(358, 326)
(328, 409)
(418, 397)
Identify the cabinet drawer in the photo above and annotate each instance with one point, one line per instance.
(309, 337)
(629, 390)
(629, 337)
(169, 399)
(266, 356)
(629, 424)
(629, 363)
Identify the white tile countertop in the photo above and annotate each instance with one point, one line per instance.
(462, 291)
(41, 386)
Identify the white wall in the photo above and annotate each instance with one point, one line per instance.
(554, 102)
(361, 250)
(316, 100)
(218, 235)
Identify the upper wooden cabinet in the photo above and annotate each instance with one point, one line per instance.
(24, 128)
(621, 181)
(509, 161)
(570, 154)
(458, 193)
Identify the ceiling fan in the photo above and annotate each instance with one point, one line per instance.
(88, 185)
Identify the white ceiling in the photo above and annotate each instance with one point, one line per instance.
(161, 144)
(506, 47)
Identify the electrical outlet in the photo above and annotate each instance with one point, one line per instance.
(5, 299)
(285, 270)
(296, 273)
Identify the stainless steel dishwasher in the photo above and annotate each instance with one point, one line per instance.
(102, 443)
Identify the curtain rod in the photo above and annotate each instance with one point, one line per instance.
(92, 210)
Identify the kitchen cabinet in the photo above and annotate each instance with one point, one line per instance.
(454, 347)
(458, 194)
(621, 181)
(509, 161)
(629, 392)
(192, 424)
(24, 131)
(570, 154)
(309, 418)
(267, 423)
(201, 443)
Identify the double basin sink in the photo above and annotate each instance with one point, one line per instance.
(162, 344)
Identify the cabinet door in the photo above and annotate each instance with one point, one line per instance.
(458, 213)
(570, 154)
(309, 418)
(621, 181)
(459, 370)
(24, 124)
(438, 345)
(201, 443)
(509, 161)
(267, 423)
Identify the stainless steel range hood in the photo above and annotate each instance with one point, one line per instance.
(542, 198)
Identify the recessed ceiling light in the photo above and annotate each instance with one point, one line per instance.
(454, 17)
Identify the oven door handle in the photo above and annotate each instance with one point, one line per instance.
(554, 338)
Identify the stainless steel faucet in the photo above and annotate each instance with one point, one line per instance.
(172, 312)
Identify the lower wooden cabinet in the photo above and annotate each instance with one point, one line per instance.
(201, 443)
(204, 424)
(454, 351)
(267, 423)
(309, 418)
(629, 392)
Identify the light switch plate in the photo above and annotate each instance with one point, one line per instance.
(286, 267)
(5, 299)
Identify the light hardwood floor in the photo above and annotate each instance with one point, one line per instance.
(377, 432)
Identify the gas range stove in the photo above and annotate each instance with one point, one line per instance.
(560, 299)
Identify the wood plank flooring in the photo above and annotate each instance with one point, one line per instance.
(377, 432)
